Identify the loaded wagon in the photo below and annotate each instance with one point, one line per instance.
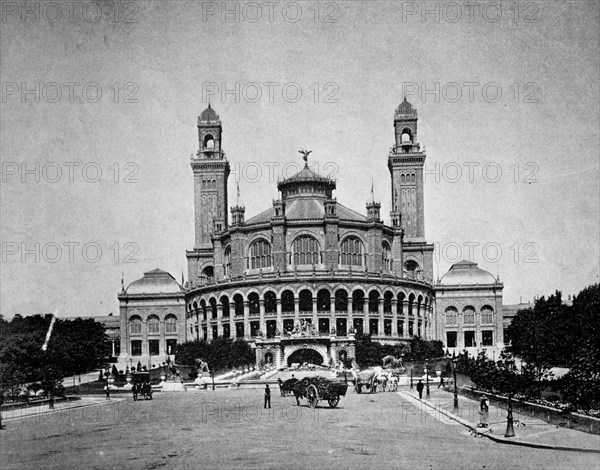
(315, 389)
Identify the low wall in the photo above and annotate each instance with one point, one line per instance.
(35, 402)
(522, 409)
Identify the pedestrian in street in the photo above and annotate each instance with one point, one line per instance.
(107, 392)
(267, 396)
(420, 389)
(441, 384)
(134, 390)
(484, 411)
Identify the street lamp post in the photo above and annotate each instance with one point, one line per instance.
(427, 395)
(510, 430)
(455, 363)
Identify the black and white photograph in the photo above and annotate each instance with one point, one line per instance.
(302, 234)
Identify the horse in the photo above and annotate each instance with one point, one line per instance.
(382, 380)
(394, 383)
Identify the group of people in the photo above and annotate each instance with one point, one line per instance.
(143, 389)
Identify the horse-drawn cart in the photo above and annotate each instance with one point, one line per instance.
(365, 379)
(315, 389)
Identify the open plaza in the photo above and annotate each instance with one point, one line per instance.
(230, 428)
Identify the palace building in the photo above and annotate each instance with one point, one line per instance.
(301, 278)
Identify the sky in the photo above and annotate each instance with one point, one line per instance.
(100, 102)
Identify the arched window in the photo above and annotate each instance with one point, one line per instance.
(305, 300)
(406, 135)
(305, 250)
(153, 324)
(253, 303)
(209, 142)
(351, 252)
(227, 261)
(469, 315)
(260, 254)
(373, 301)
(238, 301)
(387, 301)
(341, 300)
(270, 302)
(225, 304)
(287, 301)
(358, 301)
(171, 324)
(135, 325)
(451, 316)
(207, 275)
(323, 300)
(203, 308)
(386, 256)
(411, 267)
(487, 314)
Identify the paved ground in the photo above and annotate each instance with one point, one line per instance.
(533, 431)
(230, 429)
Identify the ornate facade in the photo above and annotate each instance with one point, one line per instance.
(308, 259)
(307, 273)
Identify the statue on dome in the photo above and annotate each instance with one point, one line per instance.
(305, 154)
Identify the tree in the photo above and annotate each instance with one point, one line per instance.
(538, 336)
(581, 386)
(421, 349)
(82, 345)
(220, 353)
(368, 353)
(75, 346)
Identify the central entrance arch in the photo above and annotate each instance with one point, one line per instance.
(303, 355)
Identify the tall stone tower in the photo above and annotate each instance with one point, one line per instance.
(211, 171)
(405, 163)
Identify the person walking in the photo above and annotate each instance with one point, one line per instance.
(420, 389)
(442, 383)
(484, 411)
(267, 396)
(107, 392)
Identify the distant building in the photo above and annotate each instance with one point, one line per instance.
(469, 311)
(152, 319)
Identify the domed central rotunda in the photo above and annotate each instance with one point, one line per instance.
(309, 272)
